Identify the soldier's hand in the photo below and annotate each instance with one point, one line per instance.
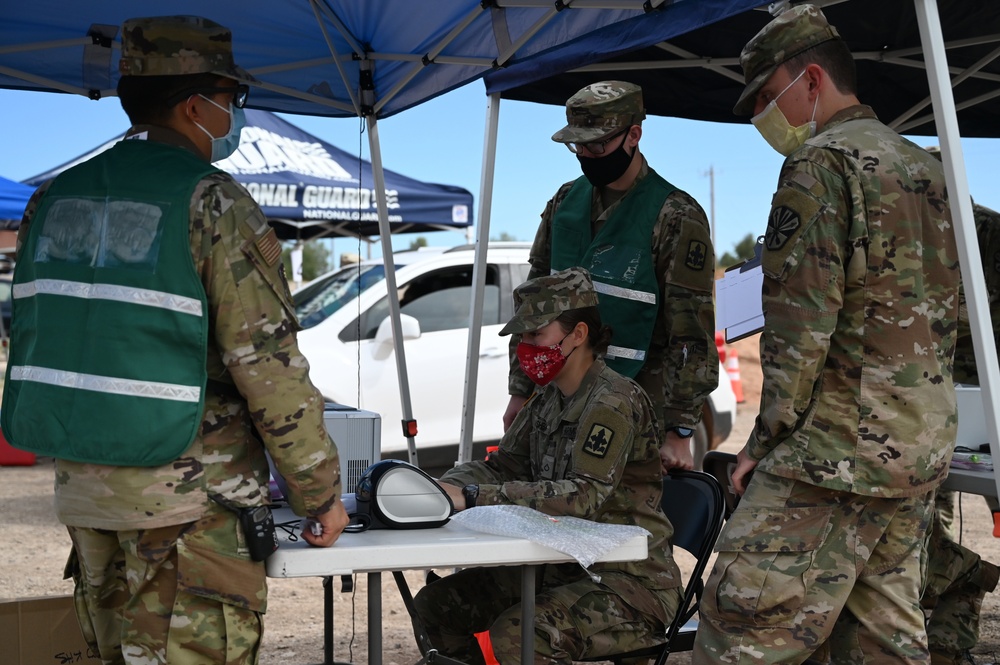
(741, 474)
(675, 453)
(332, 522)
(513, 406)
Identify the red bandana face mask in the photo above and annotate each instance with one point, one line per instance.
(541, 363)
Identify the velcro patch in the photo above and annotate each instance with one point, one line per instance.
(599, 440)
(269, 246)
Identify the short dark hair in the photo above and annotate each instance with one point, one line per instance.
(835, 59)
(598, 334)
(147, 100)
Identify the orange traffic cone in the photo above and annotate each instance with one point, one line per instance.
(733, 370)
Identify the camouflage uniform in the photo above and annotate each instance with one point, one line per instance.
(554, 459)
(858, 418)
(162, 572)
(682, 363)
(958, 578)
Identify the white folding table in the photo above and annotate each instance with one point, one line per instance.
(450, 546)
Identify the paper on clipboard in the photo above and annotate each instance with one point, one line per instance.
(738, 307)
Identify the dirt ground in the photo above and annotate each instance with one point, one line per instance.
(33, 549)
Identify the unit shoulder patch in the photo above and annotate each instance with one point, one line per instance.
(781, 226)
(598, 440)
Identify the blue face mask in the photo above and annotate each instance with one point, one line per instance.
(224, 146)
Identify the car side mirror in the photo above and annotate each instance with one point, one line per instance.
(409, 325)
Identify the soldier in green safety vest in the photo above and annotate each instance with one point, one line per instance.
(153, 355)
(648, 247)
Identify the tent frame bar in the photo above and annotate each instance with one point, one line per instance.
(960, 201)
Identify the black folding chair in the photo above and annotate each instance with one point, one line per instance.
(720, 465)
(693, 502)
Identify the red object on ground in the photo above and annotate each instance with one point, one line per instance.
(733, 370)
(11, 456)
(996, 525)
(487, 646)
(720, 345)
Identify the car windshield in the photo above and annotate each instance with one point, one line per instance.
(319, 300)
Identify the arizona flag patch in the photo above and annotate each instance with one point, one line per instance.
(599, 440)
(269, 246)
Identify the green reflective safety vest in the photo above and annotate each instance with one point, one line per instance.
(109, 331)
(620, 261)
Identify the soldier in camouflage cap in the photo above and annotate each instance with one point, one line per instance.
(585, 445)
(793, 32)
(540, 301)
(176, 45)
(160, 392)
(857, 417)
(601, 110)
(648, 248)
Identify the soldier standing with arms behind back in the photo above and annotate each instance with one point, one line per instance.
(648, 248)
(857, 418)
(153, 354)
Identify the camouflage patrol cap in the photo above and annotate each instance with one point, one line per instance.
(540, 301)
(177, 45)
(792, 32)
(601, 110)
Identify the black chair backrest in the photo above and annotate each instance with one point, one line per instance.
(692, 501)
(720, 465)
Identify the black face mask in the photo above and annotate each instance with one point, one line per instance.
(601, 171)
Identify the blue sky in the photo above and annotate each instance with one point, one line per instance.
(442, 141)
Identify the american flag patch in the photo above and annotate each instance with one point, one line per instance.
(269, 246)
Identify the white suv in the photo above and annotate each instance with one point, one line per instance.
(347, 337)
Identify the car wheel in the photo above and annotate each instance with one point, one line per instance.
(699, 444)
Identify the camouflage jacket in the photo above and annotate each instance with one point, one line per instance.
(988, 233)
(258, 380)
(860, 304)
(682, 365)
(592, 455)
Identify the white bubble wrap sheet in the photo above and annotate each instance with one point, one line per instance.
(582, 539)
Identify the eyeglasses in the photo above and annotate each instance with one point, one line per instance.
(594, 147)
(241, 92)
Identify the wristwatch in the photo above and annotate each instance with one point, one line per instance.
(683, 432)
(471, 494)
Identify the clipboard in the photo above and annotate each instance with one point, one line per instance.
(738, 307)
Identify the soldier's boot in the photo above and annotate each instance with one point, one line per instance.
(964, 658)
(982, 581)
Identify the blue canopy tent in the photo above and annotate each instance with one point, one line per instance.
(309, 188)
(13, 198)
(345, 58)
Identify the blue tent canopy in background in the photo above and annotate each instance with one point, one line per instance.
(13, 198)
(309, 188)
(333, 57)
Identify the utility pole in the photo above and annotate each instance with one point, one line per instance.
(711, 200)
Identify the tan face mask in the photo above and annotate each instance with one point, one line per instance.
(774, 127)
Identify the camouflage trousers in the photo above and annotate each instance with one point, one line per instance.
(799, 566)
(186, 594)
(575, 617)
(957, 579)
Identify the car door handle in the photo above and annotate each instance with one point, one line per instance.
(493, 353)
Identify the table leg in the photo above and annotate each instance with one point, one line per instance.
(528, 614)
(374, 618)
(327, 621)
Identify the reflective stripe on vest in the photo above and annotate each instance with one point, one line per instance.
(620, 260)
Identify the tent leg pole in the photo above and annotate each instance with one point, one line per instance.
(946, 119)
(479, 277)
(390, 281)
